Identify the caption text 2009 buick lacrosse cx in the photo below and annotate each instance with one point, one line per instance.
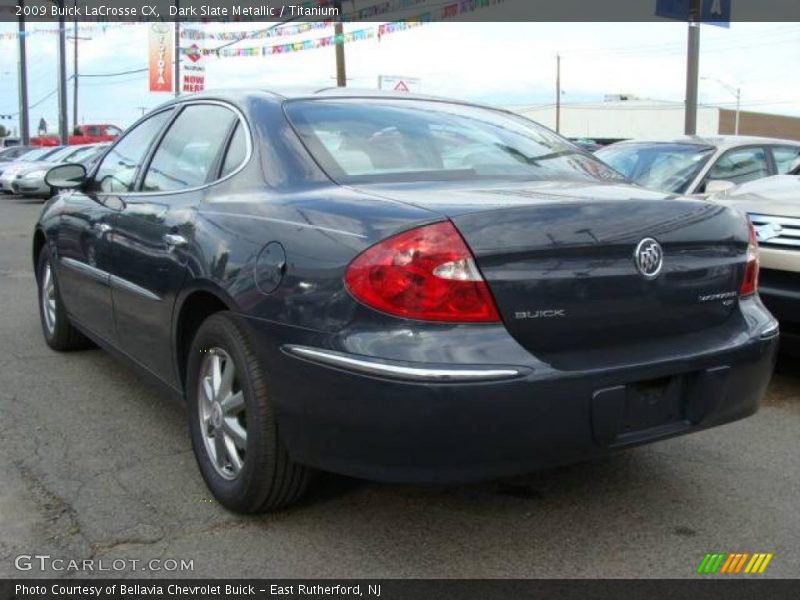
(398, 288)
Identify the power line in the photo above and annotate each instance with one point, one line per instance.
(39, 102)
(117, 74)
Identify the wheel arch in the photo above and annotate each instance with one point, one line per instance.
(39, 242)
(194, 306)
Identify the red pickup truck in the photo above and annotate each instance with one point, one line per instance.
(83, 134)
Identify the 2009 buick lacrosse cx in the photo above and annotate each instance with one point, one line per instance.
(399, 288)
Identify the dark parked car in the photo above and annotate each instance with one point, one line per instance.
(398, 288)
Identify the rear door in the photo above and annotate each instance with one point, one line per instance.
(87, 229)
(155, 229)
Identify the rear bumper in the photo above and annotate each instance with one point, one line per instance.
(411, 427)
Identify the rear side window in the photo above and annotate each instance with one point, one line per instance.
(117, 172)
(786, 158)
(189, 151)
(237, 151)
(741, 165)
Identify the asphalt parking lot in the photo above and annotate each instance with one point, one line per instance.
(94, 463)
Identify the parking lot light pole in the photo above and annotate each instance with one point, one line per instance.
(737, 92)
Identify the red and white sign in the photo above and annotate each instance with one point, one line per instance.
(160, 57)
(399, 84)
(193, 70)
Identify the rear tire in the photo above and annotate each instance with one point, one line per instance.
(58, 332)
(232, 423)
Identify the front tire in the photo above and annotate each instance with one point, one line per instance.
(232, 423)
(58, 332)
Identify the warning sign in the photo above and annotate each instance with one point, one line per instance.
(399, 84)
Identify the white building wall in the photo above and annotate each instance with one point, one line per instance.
(627, 119)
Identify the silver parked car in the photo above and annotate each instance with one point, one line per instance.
(29, 181)
(8, 170)
(700, 165)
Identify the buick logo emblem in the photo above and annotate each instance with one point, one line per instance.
(649, 258)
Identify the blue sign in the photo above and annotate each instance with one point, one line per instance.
(712, 12)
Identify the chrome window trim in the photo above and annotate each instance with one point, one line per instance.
(180, 106)
(397, 371)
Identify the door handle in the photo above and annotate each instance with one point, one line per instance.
(103, 227)
(175, 240)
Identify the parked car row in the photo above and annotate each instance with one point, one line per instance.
(26, 174)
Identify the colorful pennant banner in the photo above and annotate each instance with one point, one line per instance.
(447, 12)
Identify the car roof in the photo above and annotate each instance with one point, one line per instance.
(243, 95)
(722, 142)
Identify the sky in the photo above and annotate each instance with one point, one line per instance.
(506, 64)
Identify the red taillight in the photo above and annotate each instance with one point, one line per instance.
(750, 282)
(427, 273)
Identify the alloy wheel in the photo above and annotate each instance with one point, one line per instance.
(48, 300)
(222, 414)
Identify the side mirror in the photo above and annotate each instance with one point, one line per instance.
(66, 177)
(716, 186)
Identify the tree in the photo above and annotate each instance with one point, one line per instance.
(4, 132)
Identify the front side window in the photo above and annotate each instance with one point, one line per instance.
(117, 172)
(410, 140)
(740, 165)
(787, 158)
(668, 167)
(188, 153)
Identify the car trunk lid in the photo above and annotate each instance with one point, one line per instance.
(560, 262)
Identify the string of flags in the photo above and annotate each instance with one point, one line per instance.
(447, 12)
(195, 34)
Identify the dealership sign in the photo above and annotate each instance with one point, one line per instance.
(160, 57)
(194, 71)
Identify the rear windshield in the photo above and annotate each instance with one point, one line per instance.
(376, 140)
(664, 167)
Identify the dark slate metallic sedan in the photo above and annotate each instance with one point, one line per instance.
(398, 288)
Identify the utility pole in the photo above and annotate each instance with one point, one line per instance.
(177, 50)
(338, 31)
(692, 67)
(63, 132)
(75, 71)
(558, 93)
(24, 123)
(737, 92)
